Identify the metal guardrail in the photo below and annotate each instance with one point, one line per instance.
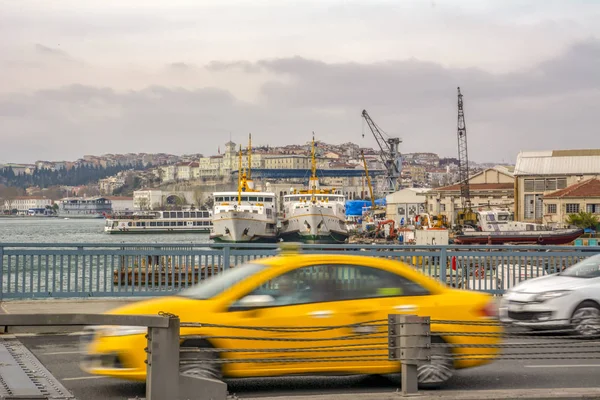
(414, 343)
(119, 270)
(162, 382)
(425, 351)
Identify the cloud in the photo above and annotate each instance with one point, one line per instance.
(180, 67)
(549, 105)
(245, 66)
(49, 51)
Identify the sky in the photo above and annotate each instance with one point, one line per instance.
(183, 76)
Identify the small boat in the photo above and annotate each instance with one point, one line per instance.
(499, 227)
(188, 221)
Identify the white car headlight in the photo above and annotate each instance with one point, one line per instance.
(123, 330)
(540, 298)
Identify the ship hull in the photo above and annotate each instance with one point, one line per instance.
(558, 237)
(243, 227)
(314, 224)
(154, 231)
(81, 216)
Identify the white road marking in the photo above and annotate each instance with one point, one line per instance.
(48, 334)
(564, 366)
(56, 353)
(81, 378)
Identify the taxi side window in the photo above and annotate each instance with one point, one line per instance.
(300, 286)
(359, 282)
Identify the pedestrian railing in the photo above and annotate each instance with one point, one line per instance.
(119, 270)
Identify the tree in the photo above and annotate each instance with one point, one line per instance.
(583, 220)
(142, 203)
(8, 195)
(209, 202)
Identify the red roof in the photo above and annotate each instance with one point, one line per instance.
(478, 187)
(587, 188)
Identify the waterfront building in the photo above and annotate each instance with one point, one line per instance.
(121, 204)
(491, 188)
(402, 206)
(540, 173)
(582, 196)
(23, 203)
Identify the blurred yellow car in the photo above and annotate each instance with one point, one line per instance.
(300, 291)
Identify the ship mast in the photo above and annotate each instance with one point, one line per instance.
(313, 178)
(249, 156)
(240, 177)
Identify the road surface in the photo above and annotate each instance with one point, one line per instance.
(60, 354)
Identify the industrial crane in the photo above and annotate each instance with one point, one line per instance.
(362, 154)
(390, 155)
(466, 216)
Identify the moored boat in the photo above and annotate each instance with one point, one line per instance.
(314, 215)
(188, 221)
(84, 207)
(499, 227)
(245, 216)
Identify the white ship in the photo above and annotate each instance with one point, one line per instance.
(314, 215)
(188, 221)
(246, 215)
(84, 207)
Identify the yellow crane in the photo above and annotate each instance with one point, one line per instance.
(376, 212)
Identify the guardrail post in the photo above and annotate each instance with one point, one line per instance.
(443, 263)
(2, 273)
(226, 257)
(162, 379)
(409, 342)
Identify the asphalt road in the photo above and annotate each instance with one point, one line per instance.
(60, 354)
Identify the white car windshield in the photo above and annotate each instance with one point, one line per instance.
(588, 268)
(218, 283)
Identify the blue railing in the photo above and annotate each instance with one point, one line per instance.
(118, 270)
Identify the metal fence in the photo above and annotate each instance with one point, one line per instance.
(119, 270)
(190, 359)
(162, 379)
(423, 345)
(424, 351)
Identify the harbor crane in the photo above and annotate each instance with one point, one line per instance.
(390, 155)
(466, 216)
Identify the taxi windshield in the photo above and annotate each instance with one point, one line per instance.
(217, 284)
(588, 268)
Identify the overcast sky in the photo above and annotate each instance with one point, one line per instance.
(179, 76)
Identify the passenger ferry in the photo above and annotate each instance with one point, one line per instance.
(314, 215)
(84, 207)
(189, 221)
(247, 215)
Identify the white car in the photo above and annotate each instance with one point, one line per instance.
(568, 299)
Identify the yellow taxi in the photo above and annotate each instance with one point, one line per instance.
(268, 308)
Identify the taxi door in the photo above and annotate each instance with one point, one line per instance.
(370, 295)
(296, 334)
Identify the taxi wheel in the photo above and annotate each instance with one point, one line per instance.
(200, 363)
(441, 368)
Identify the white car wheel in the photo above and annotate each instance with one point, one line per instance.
(586, 320)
